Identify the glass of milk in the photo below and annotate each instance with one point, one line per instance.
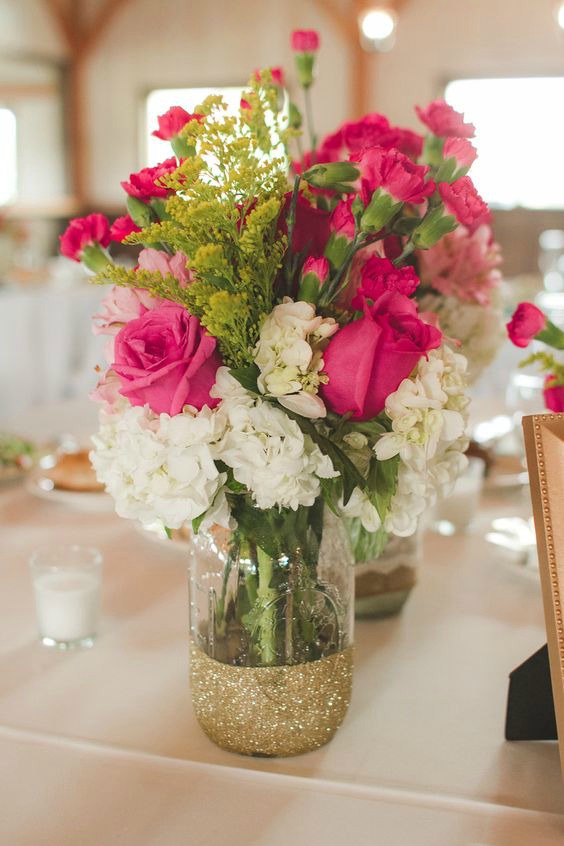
(455, 512)
(66, 584)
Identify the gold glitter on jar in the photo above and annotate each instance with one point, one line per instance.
(271, 711)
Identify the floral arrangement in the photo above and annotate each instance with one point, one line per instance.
(279, 343)
(528, 324)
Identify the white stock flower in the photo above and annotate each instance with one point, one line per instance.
(268, 452)
(289, 355)
(160, 467)
(428, 414)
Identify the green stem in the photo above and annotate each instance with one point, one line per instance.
(309, 121)
(265, 596)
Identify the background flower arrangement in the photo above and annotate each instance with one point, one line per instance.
(282, 345)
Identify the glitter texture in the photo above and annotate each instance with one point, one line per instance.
(271, 711)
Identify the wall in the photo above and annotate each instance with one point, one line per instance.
(173, 43)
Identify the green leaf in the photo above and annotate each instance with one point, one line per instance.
(247, 377)
(197, 522)
(382, 483)
(366, 546)
(139, 212)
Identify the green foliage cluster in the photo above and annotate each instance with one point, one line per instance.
(224, 217)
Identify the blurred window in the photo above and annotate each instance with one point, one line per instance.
(519, 136)
(8, 156)
(160, 100)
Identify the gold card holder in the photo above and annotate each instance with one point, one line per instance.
(544, 443)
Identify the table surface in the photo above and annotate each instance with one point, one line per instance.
(101, 747)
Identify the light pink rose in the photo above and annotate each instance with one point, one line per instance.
(107, 391)
(445, 121)
(463, 264)
(165, 359)
(525, 325)
(160, 262)
(368, 359)
(463, 201)
(395, 174)
(119, 306)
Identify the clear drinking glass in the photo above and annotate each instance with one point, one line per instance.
(456, 511)
(66, 584)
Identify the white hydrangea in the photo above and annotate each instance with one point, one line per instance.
(428, 414)
(267, 451)
(480, 330)
(161, 467)
(289, 355)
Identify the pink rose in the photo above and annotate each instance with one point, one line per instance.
(463, 201)
(461, 150)
(368, 359)
(379, 277)
(166, 360)
(173, 121)
(158, 261)
(244, 104)
(553, 395)
(120, 305)
(395, 174)
(305, 41)
(444, 121)
(463, 264)
(122, 227)
(526, 323)
(83, 232)
(143, 185)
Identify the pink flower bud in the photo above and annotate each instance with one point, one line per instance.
(460, 149)
(445, 121)
(463, 201)
(526, 323)
(173, 121)
(122, 227)
(305, 40)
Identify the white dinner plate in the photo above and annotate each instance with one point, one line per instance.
(39, 485)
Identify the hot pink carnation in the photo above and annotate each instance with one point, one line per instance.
(122, 227)
(553, 395)
(463, 265)
(341, 222)
(373, 130)
(84, 232)
(445, 121)
(463, 201)
(305, 40)
(395, 173)
(460, 149)
(379, 276)
(166, 360)
(526, 323)
(143, 185)
(160, 262)
(173, 121)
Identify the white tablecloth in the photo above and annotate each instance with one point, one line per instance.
(101, 747)
(47, 349)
